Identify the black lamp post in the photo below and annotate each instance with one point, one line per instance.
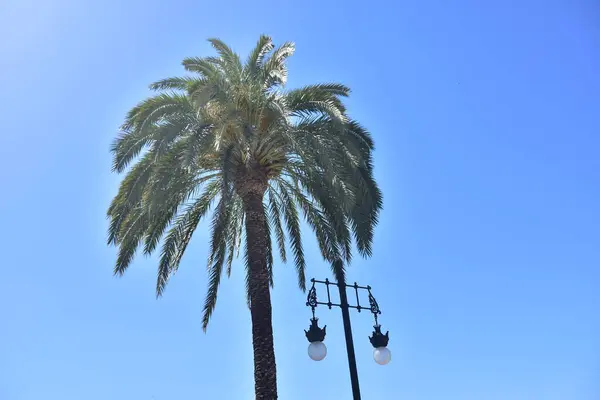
(315, 335)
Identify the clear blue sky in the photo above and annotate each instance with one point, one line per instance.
(486, 117)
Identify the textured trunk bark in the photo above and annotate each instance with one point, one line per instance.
(265, 377)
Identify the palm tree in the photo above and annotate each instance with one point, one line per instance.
(230, 139)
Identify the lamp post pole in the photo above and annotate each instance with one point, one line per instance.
(315, 335)
(349, 341)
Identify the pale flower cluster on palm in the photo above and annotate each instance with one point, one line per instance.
(229, 143)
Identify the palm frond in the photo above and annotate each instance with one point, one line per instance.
(175, 83)
(319, 99)
(269, 249)
(180, 234)
(130, 237)
(275, 217)
(129, 196)
(163, 203)
(360, 132)
(235, 231)
(228, 59)
(326, 235)
(126, 147)
(154, 108)
(205, 67)
(365, 216)
(320, 188)
(292, 220)
(274, 69)
(256, 57)
(218, 248)
(217, 256)
(197, 147)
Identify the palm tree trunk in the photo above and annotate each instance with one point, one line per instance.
(265, 377)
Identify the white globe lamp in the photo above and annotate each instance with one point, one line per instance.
(317, 351)
(382, 355)
(315, 335)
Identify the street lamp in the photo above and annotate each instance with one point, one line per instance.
(381, 354)
(315, 335)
